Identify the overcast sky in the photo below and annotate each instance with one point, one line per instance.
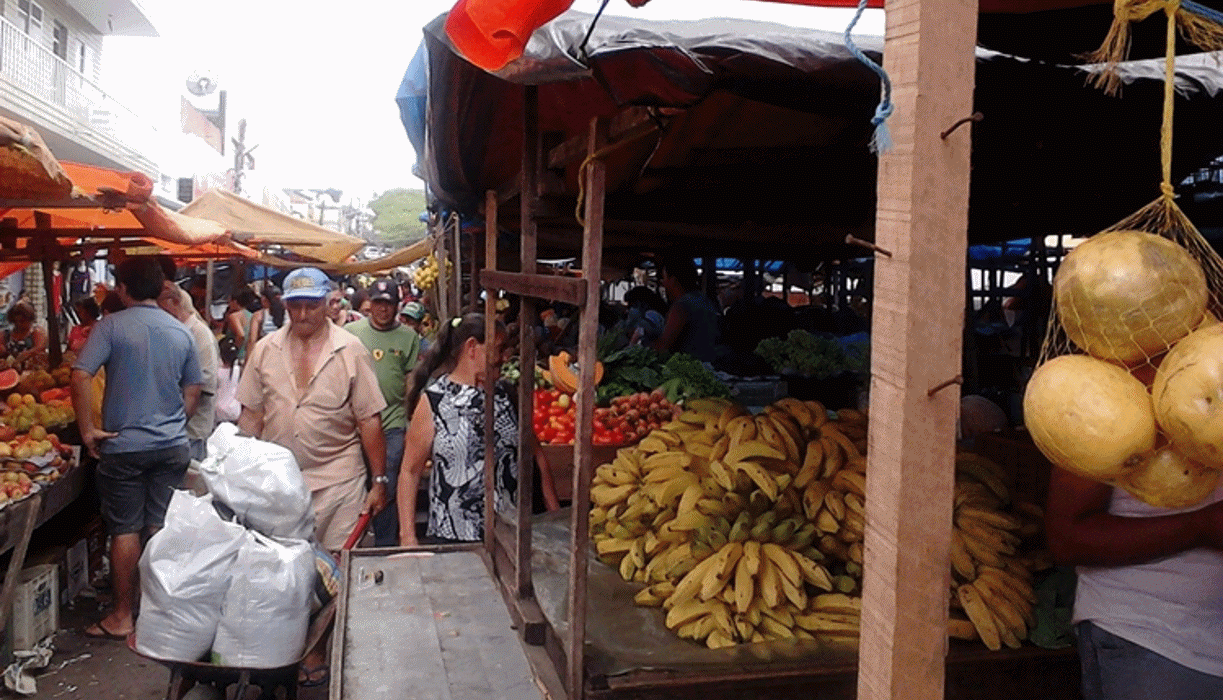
(316, 79)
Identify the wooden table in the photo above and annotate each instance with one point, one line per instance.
(425, 624)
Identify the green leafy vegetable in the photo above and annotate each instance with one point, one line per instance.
(806, 354)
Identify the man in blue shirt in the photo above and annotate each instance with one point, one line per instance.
(152, 385)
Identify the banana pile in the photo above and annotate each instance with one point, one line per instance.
(716, 512)
(425, 276)
(992, 583)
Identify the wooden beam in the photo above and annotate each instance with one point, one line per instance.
(55, 349)
(922, 219)
(526, 339)
(576, 148)
(490, 374)
(583, 439)
(571, 290)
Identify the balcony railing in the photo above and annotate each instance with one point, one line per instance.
(34, 68)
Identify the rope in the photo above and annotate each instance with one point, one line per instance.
(638, 132)
(1165, 133)
(1202, 11)
(881, 141)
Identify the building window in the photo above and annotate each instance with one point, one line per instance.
(29, 16)
(59, 39)
(83, 59)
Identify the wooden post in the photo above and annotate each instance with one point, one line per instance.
(583, 445)
(42, 220)
(209, 280)
(25, 520)
(441, 287)
(490, 328)
(922, 218)
(529, 202)
(456, 246)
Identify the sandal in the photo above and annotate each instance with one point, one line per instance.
(314, 676)
(99, 631)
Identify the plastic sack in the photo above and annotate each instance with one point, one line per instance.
(184, 575)
(260, 482)
(267, 609)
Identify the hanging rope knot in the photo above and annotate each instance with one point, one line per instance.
(881, 140)
(1166, 189)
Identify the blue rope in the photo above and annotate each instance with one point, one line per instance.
(1202, 11)
(881, 141)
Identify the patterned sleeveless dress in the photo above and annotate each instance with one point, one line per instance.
(456, 482)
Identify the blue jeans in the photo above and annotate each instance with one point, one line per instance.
(1118, 669)
(386, 523)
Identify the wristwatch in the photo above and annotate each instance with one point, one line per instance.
(382, 479)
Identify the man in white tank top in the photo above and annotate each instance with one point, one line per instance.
(1149, 604)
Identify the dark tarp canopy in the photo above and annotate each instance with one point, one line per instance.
(764, 131)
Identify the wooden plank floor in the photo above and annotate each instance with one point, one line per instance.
(433, 628)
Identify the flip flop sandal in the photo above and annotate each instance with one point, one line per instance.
(314, 676)
(103, 633)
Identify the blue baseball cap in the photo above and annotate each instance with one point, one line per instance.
(306, 283)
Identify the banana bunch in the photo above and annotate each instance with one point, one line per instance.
(708, 512)
(992, 584)
(425, 276)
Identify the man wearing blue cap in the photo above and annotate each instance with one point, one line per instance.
(310, 387)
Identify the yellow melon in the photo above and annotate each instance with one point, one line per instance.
(1170, 480)
(1129, 295)
(1188, 396)
(1089, 417)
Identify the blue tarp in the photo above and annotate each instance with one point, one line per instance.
(412, 99)
(1010, 249)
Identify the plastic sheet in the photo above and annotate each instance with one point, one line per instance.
(622, 637)
(184, 574)
(260, 482)
(267, 610)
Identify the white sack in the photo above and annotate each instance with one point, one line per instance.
(184, 574)
(266, 613)
(260, 482)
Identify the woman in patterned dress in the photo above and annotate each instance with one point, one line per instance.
(446, 397)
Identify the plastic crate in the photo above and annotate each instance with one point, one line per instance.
(36, 606)
(757, 393)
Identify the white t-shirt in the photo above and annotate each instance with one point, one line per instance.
(1172, 606)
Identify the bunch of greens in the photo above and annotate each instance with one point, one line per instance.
(808, 355)
(629, 370)
(684, 377)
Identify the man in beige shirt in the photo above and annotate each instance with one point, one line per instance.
(310, 387)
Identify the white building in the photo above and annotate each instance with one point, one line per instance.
(50, 65)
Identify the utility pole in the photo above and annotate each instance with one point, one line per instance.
(243, 160)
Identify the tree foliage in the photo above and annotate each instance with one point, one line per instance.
(397, 217)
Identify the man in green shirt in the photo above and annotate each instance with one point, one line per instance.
(395, 348)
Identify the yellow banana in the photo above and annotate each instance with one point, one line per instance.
(759, 476)
(773, 629)
(652, 444)
(745, 585)
(825, 624)
(980, 550)
(769, 580)
(767, 432)
(850, 482)
(1009, 616)
(797, 409)
(974, 605)
(993, 518)
(732, 411)
(628, 567)
(834, 458)
(834, 501)
(812, 466)
(687, 501)
(837, 603)
(719, 449)
(959, 628)
(977, 468)
(647, 598)
(752, 449)
(713, 507)
(961, 561)
(998, 540)
(1021, 587)
(720, 572)
(813, 499)
(752, 556)
(722, 475)
(610, 495)
(819, 414)
(683, 613)
(717, 640)
(741, 430)
(783, 559)
(665, 460)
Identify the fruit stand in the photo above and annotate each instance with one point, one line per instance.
(911, 546)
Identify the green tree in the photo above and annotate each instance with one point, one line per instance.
(397, 217)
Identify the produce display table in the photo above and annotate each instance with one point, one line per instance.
(630, 653)
(424, 623)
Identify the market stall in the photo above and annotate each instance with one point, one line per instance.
(753, 143)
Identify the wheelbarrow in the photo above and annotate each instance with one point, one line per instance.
(198, 680)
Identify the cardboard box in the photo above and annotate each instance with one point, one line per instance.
(77, 579)
(56, 556)
(94, 534)
(36, 606)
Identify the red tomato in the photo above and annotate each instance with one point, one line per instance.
(547, 435)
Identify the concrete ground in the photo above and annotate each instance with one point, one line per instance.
(91, 669)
